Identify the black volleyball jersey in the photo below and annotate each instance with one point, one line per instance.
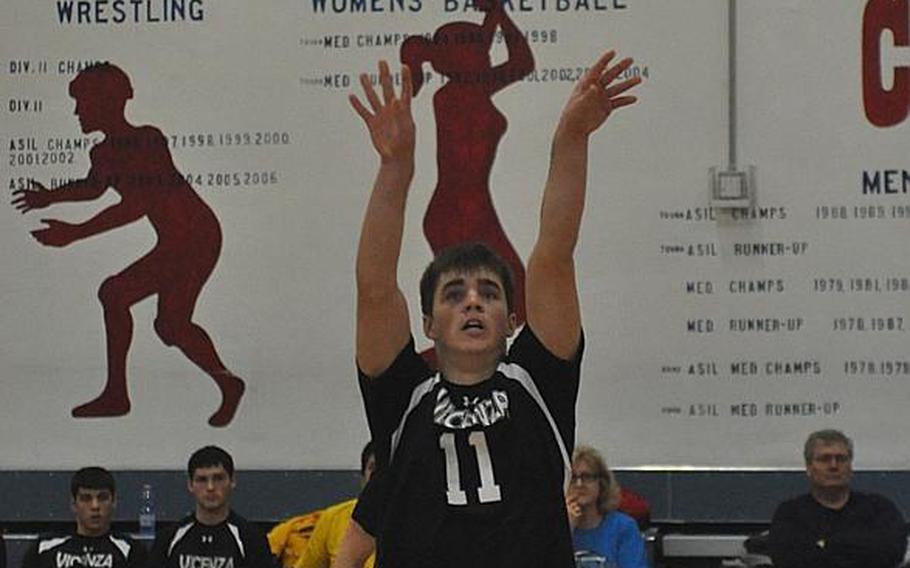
(472, 476)
(76, 551)
(234, 543)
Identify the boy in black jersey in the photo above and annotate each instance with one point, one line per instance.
(92, 545)
(472, 460)
(214, 536)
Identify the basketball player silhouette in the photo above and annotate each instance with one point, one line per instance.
(468, 130)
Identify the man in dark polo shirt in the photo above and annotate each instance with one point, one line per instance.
(833, 526)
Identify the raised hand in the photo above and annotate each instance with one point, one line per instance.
(36, 198)
(597, 95)
(388, 120)
(56, 234)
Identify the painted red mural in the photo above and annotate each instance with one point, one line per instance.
(135, 161)
(469, 128)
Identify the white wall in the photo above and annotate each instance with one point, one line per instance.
(279, 304)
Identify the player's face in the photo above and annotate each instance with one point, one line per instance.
(212, 487)
(93, 509)
(470, 315)
(831, 466)
(584, 486)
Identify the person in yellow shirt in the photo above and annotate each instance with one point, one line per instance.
(333, 522)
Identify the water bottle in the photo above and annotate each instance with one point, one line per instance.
(146, 512)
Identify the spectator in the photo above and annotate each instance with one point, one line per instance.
(214, 536)
(598, 528)
(832, 525)
(94, 499)
(322, 548)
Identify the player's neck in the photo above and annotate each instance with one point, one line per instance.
(832, 498)
(85, 531)
(467, 369)
(213, 516)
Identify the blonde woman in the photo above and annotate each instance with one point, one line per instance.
(597, 527)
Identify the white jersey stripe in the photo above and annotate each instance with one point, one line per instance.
(235, 530)
(123, 545)
(178, 534)
(517, 373)
(50, 543)
(417, 394)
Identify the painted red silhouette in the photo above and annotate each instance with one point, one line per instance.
(469, 128)
(135, 161)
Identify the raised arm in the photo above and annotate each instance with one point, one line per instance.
(551, 294)
(383, 326)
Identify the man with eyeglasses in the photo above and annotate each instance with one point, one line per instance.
(833, 526)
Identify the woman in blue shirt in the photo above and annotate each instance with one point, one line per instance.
(597, 527)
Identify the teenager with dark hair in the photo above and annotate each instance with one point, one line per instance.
(214, 536)
(473, 460)
(92, 543)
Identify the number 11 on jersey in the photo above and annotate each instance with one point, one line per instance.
(488, 492)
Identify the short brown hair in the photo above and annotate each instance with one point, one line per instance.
(93, 477)
(466, 257)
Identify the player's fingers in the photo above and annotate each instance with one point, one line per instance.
(359, 108)
(613, 72)
(619, 88)
(406, 86)
(370, 92)
(385, 81)
(597, 69)
(622, 101)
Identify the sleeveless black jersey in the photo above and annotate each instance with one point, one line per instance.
(234, 543)
(472, 476)
(76, 551)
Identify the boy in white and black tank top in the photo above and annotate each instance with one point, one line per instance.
(214, 536)
(91, 544)
(471, 461)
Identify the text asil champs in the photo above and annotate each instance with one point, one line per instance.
(129, 11)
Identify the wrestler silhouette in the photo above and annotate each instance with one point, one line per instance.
(136, 163)
(468, 130)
